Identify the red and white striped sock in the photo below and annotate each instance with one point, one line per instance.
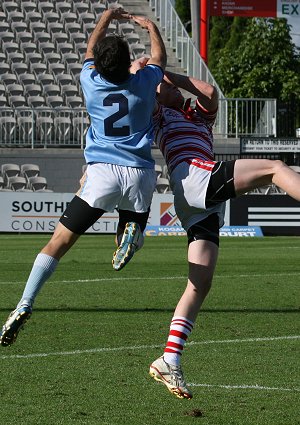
(179, 331)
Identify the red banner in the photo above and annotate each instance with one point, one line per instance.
(246, 8)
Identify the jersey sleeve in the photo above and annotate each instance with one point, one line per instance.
(154, 72)
(208, 116)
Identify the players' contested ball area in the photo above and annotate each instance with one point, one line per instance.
(84, 355)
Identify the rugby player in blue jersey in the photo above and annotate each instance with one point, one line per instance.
(120, 170)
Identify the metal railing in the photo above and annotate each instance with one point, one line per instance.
(66, 127)
(246, 117)
(236, 117)
(180, 41)
(43, 127)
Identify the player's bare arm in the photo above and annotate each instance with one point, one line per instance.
(158, 50)
(101, 28)
(206, 93)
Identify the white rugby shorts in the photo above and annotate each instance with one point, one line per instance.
(110, 186)
(189, 184)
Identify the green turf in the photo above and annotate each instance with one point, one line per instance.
(83, 357)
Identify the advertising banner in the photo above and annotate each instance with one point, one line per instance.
(256, 8)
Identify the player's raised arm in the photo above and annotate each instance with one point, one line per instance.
(158, 50)
(101, 27)
(206, 93)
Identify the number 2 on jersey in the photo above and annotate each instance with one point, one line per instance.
(109, 122)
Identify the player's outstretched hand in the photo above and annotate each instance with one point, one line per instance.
(119, 13)
(143, 22)
(138, 64)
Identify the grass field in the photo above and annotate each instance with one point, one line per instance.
(83, 357)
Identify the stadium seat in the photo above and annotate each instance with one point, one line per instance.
(29, 47)
(51, 17)
(132, 38)
(38, 68)
(54, 27)
(1, 182)
(63, 6)
(27, 78)
(62, 126)
(88, 27)
(162, 185)
(17, 26)
(77, 38)
(4, 26)
(52, 58)
(19, 68)
(69, 90)
(81, 48)
(60, 37)
(34, 57)
(14, 57)
(158, 171)
(69, 17)
(17, 101)
(74, 101)
(15, 16)
(2, 89)
(15, 89)
(33, 16)
(72, 27)
(64, 79)
(26, 127)
(137, 50)
(112, 29)
(98, 8)
(24, 37)
(45, 6)
(9, 170)
(52, 90)
(28, 6)
(33, 89)
(75, 69)
(65, 47)
(70, 58)
(3, 101)
(4, 68)
(80, 127)
(126, 28)
(7, 129)
(41, 37)
(8, 78)
(10, 46)
(45, 79)
(30, 170)
(47, 47)
(36, 26)
(80, 7)
(56, 68)
(55, 101)
(37, 183)
(10, 6)
(36, 101)
(7, 37)
(87, 17)
(44, 125)
(17, 183)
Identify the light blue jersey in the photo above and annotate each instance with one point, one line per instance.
(121, 116)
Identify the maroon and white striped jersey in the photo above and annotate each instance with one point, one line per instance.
(183, 135)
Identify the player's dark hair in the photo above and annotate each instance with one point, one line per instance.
(112, 58)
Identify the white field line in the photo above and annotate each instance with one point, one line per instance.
(245, 387)
(118, 278)
(145, 347)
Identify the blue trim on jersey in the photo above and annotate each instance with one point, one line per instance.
(121, 130)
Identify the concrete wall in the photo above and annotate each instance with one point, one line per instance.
(61, 167)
